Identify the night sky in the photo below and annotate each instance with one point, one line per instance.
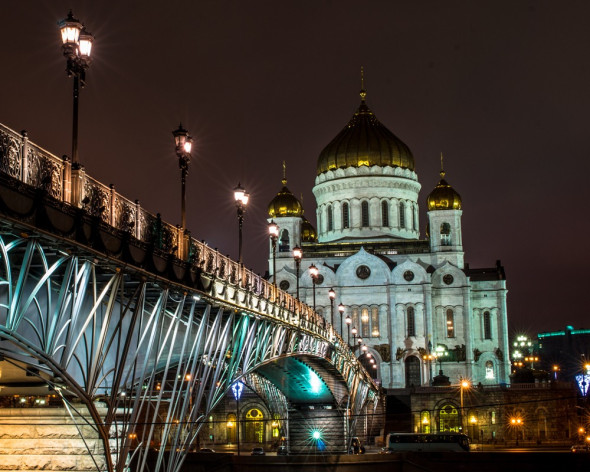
(502, 88)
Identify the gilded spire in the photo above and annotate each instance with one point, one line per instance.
(284, 181)
(442, 170)
(363, 92)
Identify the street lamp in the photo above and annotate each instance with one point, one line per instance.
(241, 197)
(313, 272)
(354, 333)
(184, 145)
(273, 231)
(341, 310)
(464, 384)
(237, 389)
(348, 323)
(76, 47)
(332, 295)
(297, 255)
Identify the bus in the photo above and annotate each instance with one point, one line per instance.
(435, 442)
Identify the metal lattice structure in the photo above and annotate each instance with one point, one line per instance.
(139, 339)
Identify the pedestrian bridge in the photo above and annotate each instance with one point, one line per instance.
(135, 331)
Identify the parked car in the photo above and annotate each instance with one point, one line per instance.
(206, 449)
(581, 448)
(258, 451)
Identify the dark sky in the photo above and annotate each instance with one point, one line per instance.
(501, 87)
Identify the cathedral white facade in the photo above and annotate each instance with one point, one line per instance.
(414, 303)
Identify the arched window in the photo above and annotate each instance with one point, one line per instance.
(384, 213)
(345, 216)
(445, 234)
(411, 321)
(375, 331)
(450, 324)
(365, 330)
(254, 426)
(330, 219)
(402, 215)
(355, 319)
(489, 370)
(412, 372)
(448, 419)
(284, 241)
(365, 214)
(414, 219)
(487, 325)
(231, 428)
(425, 422)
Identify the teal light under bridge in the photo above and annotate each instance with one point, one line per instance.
(316, 434)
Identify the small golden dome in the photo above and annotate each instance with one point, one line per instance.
(284, 204)
(365, 142)
(443, 197)
(308, 233)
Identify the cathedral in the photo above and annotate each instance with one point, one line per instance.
(414, 313)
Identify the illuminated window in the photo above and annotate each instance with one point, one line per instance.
(448, 419)
(402, 215)
(330, 218)
(375, 331)
(489, 370)
(493, 417)
(445, 234)
(425, 422)
(345, 216)
(411, 321)
(365, 214)
(366, 332)
(384, 213)
(284, 241)
(450, 324)
(487, 325)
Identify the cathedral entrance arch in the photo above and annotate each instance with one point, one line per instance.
(412, 372)
(448, 420)
(254, 426)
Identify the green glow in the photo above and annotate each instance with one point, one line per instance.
(555, 333)
(316, 435)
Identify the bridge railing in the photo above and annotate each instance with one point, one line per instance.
(67, 183)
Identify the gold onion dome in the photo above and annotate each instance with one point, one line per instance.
(365, 142)
(443, 197)
(284, 203)
(308, 233)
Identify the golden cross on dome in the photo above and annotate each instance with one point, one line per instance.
(442, 171)
(363, 91)
(284, 173)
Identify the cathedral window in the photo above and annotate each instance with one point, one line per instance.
(384, 213)
(375, 332)
(445, 234)
(284, 241)
(365, 214)
(414, 220)
(345, 216)
(450, 324)
(411, 321)
(487, 325)
(402, 215)
(412, 372)
(330, 219)
(355, 318)
(425, 421)
(365, 326)
(489, 370)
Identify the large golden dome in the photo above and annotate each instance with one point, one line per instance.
(365, 142)
(284, 203)
(443, 197)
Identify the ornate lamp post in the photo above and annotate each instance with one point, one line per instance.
(241, 197)
(348, 323)
(297, 255)
(273, 232)
(76, 46)
(332, 295)
(184, 145)
(341, 310)
(237, 389)
(313, 272)
(464, 384)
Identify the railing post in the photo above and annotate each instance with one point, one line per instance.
(66, 180)
(112, 216)
(24, 166)
(78, 178)
(137, 220)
